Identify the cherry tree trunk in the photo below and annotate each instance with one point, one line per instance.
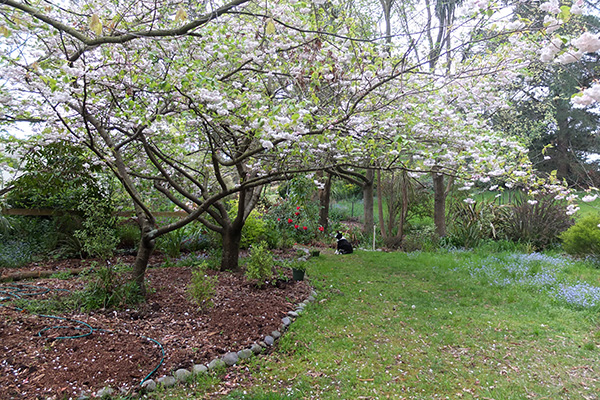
(145, 249)
(404, 210)
(439, 202)
(382, 224)
(324, 199)
(368, 202)
(231, 248)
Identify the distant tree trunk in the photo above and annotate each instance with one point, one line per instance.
(439, 201)
(324, 200)
(382, 228)
(404, 209)
(369, 219)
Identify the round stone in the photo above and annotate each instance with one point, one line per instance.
(166, 381)
(244, 354)
(256, 348)
(276, 335)
(182, 374)
(269, 340)
(199, 369)
(231, 358)
(149, 385)
(286, 321)
(216, 363)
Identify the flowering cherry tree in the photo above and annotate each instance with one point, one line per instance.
(569, 46)
(565, 49)
(203, 105)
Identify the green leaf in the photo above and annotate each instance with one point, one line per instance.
(181, 15)
(4, 31)
(565, 13)
(579, 94)
(96, 25)
(270, 28)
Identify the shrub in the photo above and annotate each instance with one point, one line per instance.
(254, 231)
(58, 176)
(108, 288)
(583, 238)
(170, 243)
(190, 238)
(260, 264)
(202, 289)
(128, 233)
(295, 216)
(27, 238)
(195, 238)
(538, 224)
(5, 226)
(472, 223)
(14, 253)
(420, 238)
(98, 236)
(344, 190)
(213, 260)
(67, 246)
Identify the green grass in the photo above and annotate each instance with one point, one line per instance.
(420, 326)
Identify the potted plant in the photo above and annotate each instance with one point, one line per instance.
(299, 269)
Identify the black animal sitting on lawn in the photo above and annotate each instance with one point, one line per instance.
(343, 246)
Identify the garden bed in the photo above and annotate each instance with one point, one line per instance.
(119, 351)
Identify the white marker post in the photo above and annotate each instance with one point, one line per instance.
(374, 228)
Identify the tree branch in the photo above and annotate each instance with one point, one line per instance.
(92, 43)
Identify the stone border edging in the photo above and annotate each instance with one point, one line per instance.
(228, 360)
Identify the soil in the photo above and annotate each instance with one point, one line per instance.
(120, 348)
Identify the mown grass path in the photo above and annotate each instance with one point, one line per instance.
(419, 326)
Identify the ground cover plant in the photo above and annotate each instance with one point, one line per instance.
(450, 324)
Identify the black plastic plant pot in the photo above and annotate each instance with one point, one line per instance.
(298, 274)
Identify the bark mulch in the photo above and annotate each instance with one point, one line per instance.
(119, 347)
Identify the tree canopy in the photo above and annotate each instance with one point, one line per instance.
(196, 105)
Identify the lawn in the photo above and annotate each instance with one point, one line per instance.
(440, 325)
